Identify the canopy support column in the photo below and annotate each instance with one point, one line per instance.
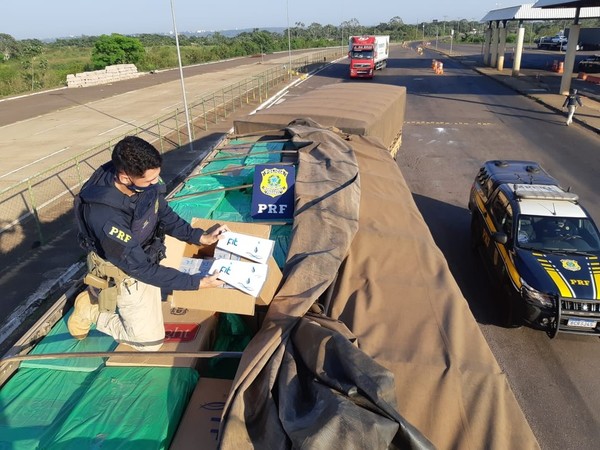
(486, 45)
(565, 82)
(501, 46)
(494, 45)
(519, 50)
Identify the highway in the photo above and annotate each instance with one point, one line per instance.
(453, 123)
(45, 129)
(451, 127)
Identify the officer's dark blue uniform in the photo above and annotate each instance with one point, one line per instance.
(123, 230)
(126, 231)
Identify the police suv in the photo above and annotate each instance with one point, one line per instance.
(540, 245)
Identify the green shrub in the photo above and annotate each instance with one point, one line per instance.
(116, 49)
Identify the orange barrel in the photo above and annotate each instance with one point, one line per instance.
(441, 68)
(561, 67)
(433, 63)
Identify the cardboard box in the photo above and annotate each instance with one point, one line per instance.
(185, 331)
(199, 426)
(219, 299)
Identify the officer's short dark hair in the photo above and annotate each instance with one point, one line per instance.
(134, 156)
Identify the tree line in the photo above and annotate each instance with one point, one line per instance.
(30, 64)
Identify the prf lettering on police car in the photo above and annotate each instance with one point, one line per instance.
(121, 235)
(271, 209)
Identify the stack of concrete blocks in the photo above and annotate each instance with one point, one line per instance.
(110, 74)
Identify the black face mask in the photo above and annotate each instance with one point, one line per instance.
(139, 189)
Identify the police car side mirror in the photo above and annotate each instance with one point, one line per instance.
(500, 238)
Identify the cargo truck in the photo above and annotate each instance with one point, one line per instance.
(367, 340)
(367, 54)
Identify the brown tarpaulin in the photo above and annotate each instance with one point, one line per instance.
(398, 297)
(363, 109)
(302, 384)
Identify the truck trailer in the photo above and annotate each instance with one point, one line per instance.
(367, 340)
(367, 54)
(589, 39)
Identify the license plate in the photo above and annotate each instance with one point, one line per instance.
(583, 323)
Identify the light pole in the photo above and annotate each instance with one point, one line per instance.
(423, 34)
(32, 74)
(187, 114)
(287, 7)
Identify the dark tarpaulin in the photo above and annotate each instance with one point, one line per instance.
(302, 383)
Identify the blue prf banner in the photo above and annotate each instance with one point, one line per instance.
(273, 192)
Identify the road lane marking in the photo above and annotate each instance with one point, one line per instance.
(34, 162)
(425, 122)
(128, 124)
(58, 125)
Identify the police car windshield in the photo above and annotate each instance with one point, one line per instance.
(557, 234)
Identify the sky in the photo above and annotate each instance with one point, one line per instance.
(46, 19)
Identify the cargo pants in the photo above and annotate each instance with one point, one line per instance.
(138, 320)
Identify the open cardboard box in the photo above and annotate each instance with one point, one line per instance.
(220, 299)
(185, 331)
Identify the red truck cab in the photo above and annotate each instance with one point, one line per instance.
(367, 54)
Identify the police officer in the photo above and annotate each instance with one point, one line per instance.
(122, 216)
(571, 103)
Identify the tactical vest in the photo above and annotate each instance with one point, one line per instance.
(102, 274)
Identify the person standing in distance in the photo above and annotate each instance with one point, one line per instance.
(122, 216)
(571, 103)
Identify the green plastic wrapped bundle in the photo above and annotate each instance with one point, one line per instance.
(111, 408)
(232, 335)
(235, 207)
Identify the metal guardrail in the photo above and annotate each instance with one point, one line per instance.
(37, 209)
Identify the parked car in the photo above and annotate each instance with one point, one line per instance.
(591, 64)
(540, 245)
(552, 42)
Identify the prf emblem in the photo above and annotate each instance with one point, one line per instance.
(274, 182)
(120, 235)
(570, 264)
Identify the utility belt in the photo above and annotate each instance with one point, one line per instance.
(108, 278)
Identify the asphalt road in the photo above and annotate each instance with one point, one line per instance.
(46, 129)
(453, 124)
